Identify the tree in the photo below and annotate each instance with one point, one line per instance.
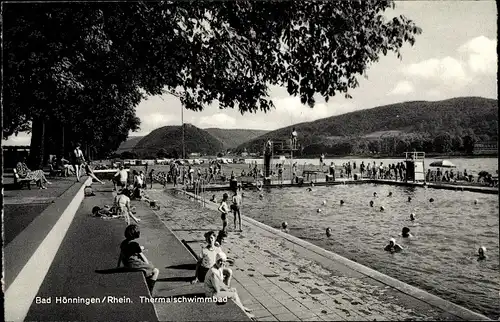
(128, 155)
(104, 57)
(161, 153)
(375, 146)
(469, 141)
(456, 143)
(442, 143)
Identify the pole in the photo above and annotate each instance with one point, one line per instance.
(291, 163)
(183, 147)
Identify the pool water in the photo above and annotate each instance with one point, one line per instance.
(440, 257)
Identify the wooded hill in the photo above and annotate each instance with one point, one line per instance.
(441, 126)
(232, 138)
(167, 142)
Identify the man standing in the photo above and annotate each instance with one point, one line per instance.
(236, 207)
(294, 138)
(332, 170)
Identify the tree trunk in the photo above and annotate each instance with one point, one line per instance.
(37, 146)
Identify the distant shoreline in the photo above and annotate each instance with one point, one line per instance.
(369, 156)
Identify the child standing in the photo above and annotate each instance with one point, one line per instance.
(132, 257)
(224, 209)
(236, 206)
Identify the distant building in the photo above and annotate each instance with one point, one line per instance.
(194, 154)
(13, 154)
(490, 147)
(244, 154)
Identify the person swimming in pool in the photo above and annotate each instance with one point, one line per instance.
(481, 253)
(371, 203)
(342, 202)
(390, 194)
(328, 232)
(406, 232)
(409, 199)
(393, 247)
(375, 195)
(412, 216)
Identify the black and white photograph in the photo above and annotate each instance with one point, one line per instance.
(234, 160)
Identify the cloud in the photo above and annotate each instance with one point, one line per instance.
(153, 121)
(219, 120)
(20, 139)
(482, 55)
(475, 64)
(447, 70)
(402, 88)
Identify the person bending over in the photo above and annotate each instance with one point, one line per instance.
(120, 178)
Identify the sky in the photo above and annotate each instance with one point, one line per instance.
(454, 56)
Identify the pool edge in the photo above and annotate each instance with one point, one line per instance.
(401, 286)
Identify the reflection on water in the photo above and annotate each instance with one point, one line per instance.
(440, 258)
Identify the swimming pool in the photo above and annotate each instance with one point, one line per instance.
(440, 258)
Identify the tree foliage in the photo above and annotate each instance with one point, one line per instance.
(88, 65)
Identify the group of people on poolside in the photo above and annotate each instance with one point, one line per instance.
(58, 163)
(212, 270)
(234, 207)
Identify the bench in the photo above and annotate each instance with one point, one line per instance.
(54, 172)
(19, 182)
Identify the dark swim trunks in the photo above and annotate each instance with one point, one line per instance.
(223, 216)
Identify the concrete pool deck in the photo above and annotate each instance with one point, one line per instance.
(285, 278)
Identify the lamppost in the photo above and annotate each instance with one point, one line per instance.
(182, 119)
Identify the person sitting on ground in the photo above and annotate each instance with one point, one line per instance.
(221, 238)
(481, 253)
(393, 247)
(120, 178)
(406, 232)
(90, 172)
(215, 287)
(206, 259)
(224, 209)
(37, 175)
(58, 165)
(227, 272)
(132, 257)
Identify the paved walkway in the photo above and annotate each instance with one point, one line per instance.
(283, 281)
